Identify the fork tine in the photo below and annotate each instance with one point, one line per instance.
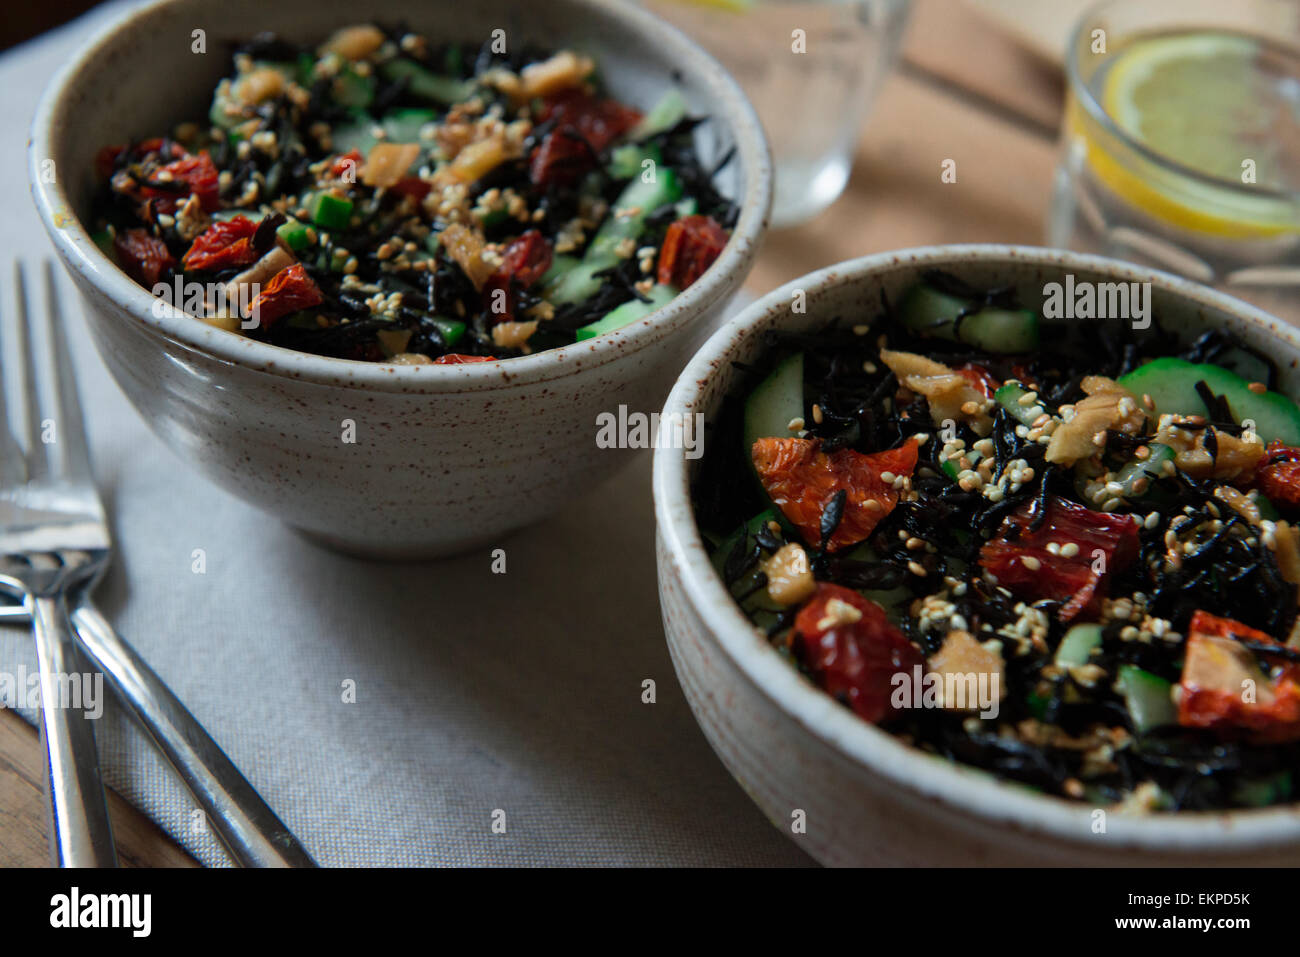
(12, 468)
(71, 422)
(38, 453)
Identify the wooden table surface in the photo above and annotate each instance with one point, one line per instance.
(963, 91)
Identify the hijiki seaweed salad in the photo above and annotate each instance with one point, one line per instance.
(381, 197)
(1078, 538)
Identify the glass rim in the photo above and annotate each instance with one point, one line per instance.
(1084, 96)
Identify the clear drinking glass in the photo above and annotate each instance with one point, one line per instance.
(812, 69)
(1180, 147)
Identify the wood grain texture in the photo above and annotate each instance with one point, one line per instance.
(963, 92)
(140, 843)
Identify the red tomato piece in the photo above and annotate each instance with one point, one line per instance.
(689, 248)
(979, 377)
(222, 245)
(288, 291)
(802, 480)
(524, 262)
(351, 160)
(1223, 687)
(1278, 476)
(853, 650)
(143, 256)
(583, 126)
(459, 359)
(1019, 560)
(411, 186)
(197, 173)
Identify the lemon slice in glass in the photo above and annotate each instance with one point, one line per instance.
(1200, 101)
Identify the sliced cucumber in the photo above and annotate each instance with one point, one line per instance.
(453, 330)
(294, 234)
(926, 311)
(404, 125)
(629, 312)
(1149, 698)
(629, 159)
(1077, 645)
(353, 90)
(687, 207)
(664, 115)
(637, 201)
(758, 605)
(1009, 396)
(559, 266)
(1171, 384)
(426, 85)
(1150, 468)
(355, 135)
(577, 283)
(774, 403)
(1262, 792)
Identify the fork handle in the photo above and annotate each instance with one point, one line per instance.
(245, 824)
(80, 832)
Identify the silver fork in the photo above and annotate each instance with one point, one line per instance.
(243, 822)
(54, 541)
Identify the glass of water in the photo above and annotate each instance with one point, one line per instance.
(1181, 143)
(812, 69)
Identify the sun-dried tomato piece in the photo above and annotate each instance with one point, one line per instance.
(689, 248)
(192, 175)
(349, 161)
(853, 650)
(979, 377)
(288, 291)
(222, 245)
(411, 186)
(802, 480)
(1223, 686)
(1020, 561)
(459, 359)
(1278, 476)
(143, 256)
(524, 262)
(582, 126)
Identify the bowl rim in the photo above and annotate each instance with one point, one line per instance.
(84, 258)
(963, 789)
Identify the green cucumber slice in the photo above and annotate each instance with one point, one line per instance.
(1149, 698)
(775, 401)
(627, 313)
(629, 159)
(667, 112)
(1009, 395)
(426, 85)
(641, 199)
(1078, 644)
(926, 311)
(1171, 384)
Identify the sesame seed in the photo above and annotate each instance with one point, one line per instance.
(1258, 388)
(1032, 563)
(795, 424)
(916, 568)
(1069, 549)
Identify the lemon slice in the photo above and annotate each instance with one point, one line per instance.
(1198, 100)
(736, 6)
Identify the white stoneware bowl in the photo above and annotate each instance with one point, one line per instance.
(445, 457)
(866, 797)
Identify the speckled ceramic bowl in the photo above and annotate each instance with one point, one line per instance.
(445, 457)
(866, 797)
